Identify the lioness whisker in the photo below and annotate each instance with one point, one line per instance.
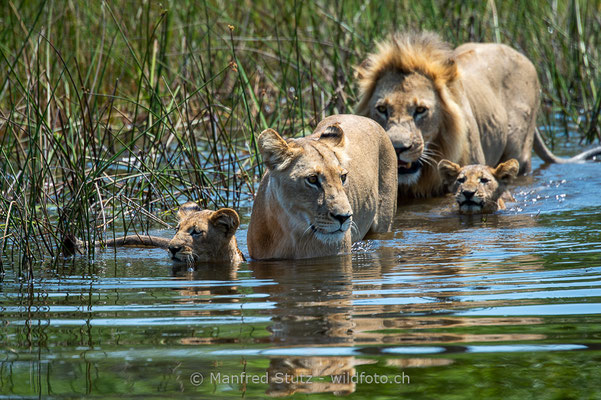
(308, 230)
(354, 227)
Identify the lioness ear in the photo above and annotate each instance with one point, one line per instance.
(507, 171)
(333, 135)
(448, 171)
(188, 208)
(226, 220)
(276, 153)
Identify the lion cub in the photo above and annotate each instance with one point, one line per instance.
(322, 192)
(479, 189)
(202, 236)
(205, 236)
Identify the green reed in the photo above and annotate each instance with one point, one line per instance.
(112, 113)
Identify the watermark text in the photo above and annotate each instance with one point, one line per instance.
(197, 378)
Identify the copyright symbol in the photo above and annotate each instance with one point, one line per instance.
(196, 378)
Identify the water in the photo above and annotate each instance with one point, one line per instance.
(445, 307)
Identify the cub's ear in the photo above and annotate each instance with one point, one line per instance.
(448, 171)
(187, 209)
(333, 135)
(226, 220)
(507, 171)
(276, 153)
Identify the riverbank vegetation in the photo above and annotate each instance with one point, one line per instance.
(113, 112)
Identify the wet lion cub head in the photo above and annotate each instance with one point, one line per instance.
(479, 188)
(205, 235)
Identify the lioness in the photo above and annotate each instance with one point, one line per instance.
(476, 104)
(323, 192)
(202, 236)
(479, 189)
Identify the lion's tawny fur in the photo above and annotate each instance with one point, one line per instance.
(425, 53)
(479, 189)
(202, 236)
(346, 167)
(484, 112)
(205, 236)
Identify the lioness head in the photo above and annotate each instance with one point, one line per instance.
(204, 235)
(309, 179)
(409, 87)
(478, 188)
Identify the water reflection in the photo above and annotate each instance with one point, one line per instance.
(310, 310)
(461, 299)
(362, 302)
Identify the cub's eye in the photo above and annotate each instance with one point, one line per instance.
(381, 109)
(461, 180)
(343, 177)
(197, 232)
(484, 180)
(312, 180)
(419, 110)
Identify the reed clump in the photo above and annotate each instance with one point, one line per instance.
(112, 113)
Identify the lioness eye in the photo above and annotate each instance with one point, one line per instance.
(343, 178)
(461, 180)
(484, 180)
(381, 109)
(196, 232)
(312, 180)
(420, 110)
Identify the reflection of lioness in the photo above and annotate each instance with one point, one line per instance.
(476, 104)
(316, 187)
(479, 188)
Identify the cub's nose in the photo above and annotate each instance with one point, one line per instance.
(342, 218)
(174, 250)
(468, 194)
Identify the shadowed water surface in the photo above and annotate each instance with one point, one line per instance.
(446, 307)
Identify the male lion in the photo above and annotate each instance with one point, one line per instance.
(323, 192)
(479, 189)
(202, 236)
(476, 104)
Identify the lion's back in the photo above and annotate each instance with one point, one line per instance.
(497, 66)
(502, 87)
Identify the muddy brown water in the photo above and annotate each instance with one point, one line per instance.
(447, 307)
